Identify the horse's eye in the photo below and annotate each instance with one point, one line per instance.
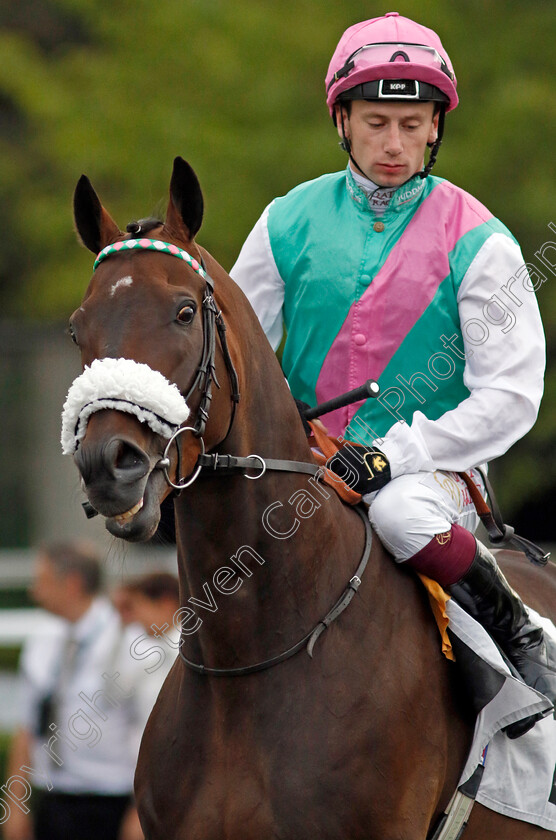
(71, 331)
(186, 314)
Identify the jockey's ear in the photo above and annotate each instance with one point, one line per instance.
(93, 223)
(185, 209)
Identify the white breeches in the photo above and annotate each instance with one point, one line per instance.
(410, 510)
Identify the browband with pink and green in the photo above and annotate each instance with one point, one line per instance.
(149, 245)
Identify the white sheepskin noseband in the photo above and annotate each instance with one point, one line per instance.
(126, 386)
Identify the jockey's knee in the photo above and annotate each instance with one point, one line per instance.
(385, 517)
(406, 516)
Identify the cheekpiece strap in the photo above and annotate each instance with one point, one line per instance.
(150, 245)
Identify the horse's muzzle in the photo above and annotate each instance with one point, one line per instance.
(114, 473)
(119, 459)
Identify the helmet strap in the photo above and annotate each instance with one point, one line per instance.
(346, 145)
(435, 147)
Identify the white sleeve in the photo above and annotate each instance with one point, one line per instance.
(504, 366)
(142, 678)
(38, 666)
(255, 272)
(29, 695)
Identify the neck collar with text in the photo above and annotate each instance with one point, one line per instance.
(395, 199)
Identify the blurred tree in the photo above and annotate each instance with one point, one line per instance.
(117, 90)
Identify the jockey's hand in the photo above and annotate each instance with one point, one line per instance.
(302, 408)
(318, 424)
(363, 468)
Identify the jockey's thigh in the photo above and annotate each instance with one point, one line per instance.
(409, 511)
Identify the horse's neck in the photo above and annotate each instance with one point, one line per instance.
(267, 557)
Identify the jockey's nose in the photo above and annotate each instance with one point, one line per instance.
(393, 141)
(119, 459)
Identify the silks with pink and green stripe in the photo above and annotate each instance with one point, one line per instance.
(361, 303)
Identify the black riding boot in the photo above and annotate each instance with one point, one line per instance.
(486, 595)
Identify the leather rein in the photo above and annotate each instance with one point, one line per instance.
(215, 464)
(309, 640)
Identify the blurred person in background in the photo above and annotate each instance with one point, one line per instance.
(81, 715)
(385, 271)
(152, 602)
(122, 600)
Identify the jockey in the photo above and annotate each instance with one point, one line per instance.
(384, 271)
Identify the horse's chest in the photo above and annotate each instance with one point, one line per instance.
(286, 781)
(301, 758)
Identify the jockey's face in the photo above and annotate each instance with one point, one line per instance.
(388, 139)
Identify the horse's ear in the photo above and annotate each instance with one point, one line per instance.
(94, 224)
(185, 209)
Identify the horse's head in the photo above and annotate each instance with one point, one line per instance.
(148, 330)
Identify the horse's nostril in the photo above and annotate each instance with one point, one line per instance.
(126, 457)
(125, 460)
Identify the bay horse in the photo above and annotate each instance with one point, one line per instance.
(366, 739)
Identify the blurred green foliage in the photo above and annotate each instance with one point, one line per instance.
(16, 597)
(9, 658)
(117, 89)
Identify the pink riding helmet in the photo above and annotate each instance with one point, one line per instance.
(391, 58)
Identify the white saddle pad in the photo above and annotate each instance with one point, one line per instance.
(519, 775)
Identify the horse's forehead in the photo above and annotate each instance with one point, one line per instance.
(151, 277)
(130, 306)
(121, 284)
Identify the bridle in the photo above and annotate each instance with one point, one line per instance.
(213, 324)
